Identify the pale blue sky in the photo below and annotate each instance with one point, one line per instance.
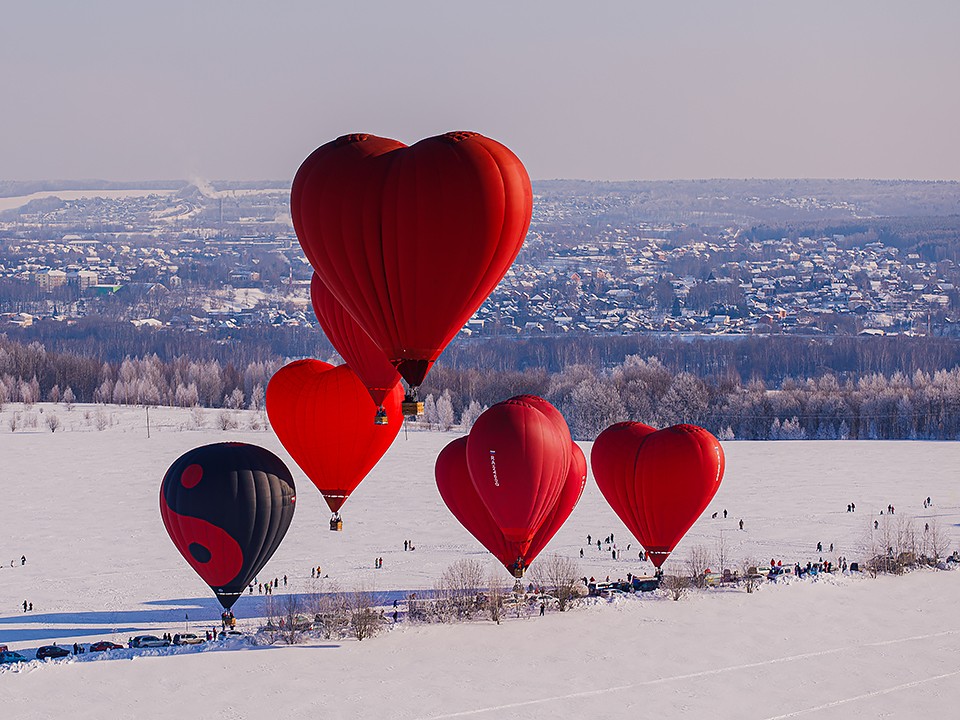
(122, 90)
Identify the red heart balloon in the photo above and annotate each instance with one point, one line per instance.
(363, 355)
(518, 461)
(411, 240)
(461, 497)
(658, 481)
(321, 414)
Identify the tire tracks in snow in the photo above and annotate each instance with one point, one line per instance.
(720, 671)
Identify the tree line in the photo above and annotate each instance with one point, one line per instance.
(922, 404)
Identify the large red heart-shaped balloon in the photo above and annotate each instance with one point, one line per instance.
(321, 414)
(363, 355)
(658, 481)
(461, 498)
(411, 240)
(518, 460)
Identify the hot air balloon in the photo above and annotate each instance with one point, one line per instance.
(335, 450)
(411, 240)
(569, 496)
(461, 498)
(363, 355)
(227, 507)
(518, 461)
(658, 481)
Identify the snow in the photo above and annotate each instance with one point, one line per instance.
(82, 505)
(9, 203)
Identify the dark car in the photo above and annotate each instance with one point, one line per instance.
(104, 645)
(51, 651)
(10, 656)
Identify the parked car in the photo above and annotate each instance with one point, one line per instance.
(148, 641)
(187, 639)
(51, 651)
(104, 645)
(11, 656)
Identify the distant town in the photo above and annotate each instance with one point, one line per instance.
(599, 258)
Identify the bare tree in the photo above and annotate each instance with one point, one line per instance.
(197, 417)
(496, 592)
(676, 585)
(365, 620)
(559, 576)
(13, 422)
(936, 542)
(698, 560)
(100, 420)
(226, 421)
(287, 620)
(53, 422)
(458, 590)
(331, 612)
(68, 398)
(722, 554)
(751, 578)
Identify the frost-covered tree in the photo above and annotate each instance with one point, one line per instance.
(470, 414)
(257, 397)
(593, 406)
(444, 410)
(234, 400)
(430, 417)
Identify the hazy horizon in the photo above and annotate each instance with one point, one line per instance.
(622, 91)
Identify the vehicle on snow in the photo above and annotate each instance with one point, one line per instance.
(187, 639)
(148, 641)
(51, 651)
(10, 657)
(104, 645)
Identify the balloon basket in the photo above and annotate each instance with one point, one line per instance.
(381, 417)
(411, 408)
(336, 525)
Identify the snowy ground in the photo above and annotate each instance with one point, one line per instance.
(82, 505)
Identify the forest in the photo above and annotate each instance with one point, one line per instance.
(786, 387)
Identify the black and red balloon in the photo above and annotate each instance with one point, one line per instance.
(411, 240)
(227, 507)
(657, 481)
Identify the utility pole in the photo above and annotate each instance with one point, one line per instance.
(148, 420)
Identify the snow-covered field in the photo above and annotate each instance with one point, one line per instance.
(82, 505)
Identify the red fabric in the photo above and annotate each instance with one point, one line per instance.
(518, 462)
(361, 353)
(411, 240)
(461, 497)
(323, 416)
(658, 482)
(226, 556)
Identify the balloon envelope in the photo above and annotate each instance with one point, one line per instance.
(321, 414)
(227, 507)
(363, 355)
(658, 481)
(518, 461)
(411, 240)
(460, 496)
(569, 496)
